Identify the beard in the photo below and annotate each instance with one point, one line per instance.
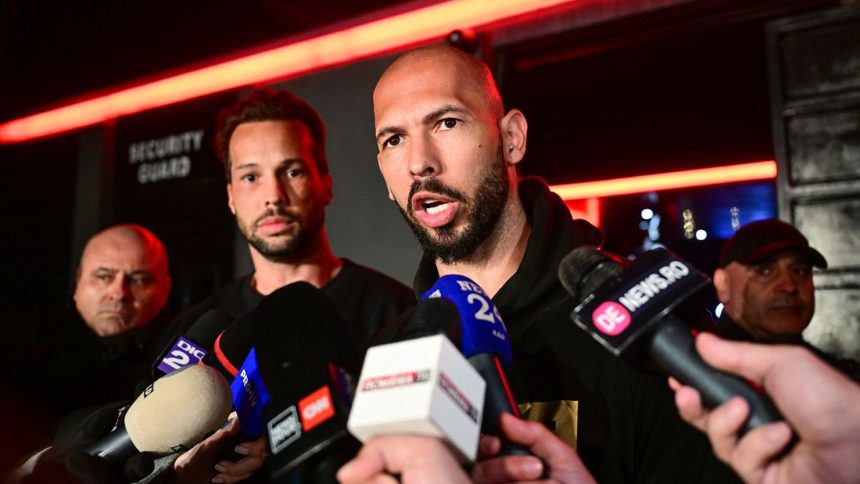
(482, 214)
(281, 250)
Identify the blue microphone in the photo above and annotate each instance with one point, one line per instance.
(484, 341)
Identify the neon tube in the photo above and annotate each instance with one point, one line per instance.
(761, 170)
(297, 57)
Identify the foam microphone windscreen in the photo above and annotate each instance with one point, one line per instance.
(586, 269)
(433, 316)
(178, 410)
(300, 324)
(173, 413)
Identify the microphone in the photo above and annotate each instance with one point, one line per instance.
(421, 386)
(484, 341)
(306, 361)
(174, 413)
(234, 356)
(638, 313)
(191, 348)
(232, 346)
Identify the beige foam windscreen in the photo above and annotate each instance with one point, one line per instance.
(178, 409)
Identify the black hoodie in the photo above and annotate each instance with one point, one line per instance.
(624, 422)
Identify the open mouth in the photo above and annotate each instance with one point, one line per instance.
(433, 210)
(433, 206)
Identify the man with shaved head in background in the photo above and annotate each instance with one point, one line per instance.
(123, 281)
(98, 351)
(449, 155)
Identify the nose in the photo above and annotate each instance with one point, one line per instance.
(424, 159)
(786, 281)
(276, 193)
(120, 288)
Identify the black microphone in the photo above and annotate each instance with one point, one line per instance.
(191, 347)
(307, 363)
(638, 313)
(231, 346)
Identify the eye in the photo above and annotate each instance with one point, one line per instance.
(448, 123)
(141, 280)
(802, 272)
(104, 277)
(295, 172)
(392, 141)
(763, 270)
(249, 177)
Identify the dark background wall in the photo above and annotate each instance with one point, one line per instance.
(609, 91)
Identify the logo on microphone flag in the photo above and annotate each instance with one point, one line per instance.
(316, 408)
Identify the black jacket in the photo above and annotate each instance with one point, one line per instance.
(364, 298)
(73, 368)
(731, 330)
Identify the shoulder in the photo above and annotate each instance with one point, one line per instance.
(236, 299)
(367, 280)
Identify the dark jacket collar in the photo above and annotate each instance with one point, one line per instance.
(554, 234)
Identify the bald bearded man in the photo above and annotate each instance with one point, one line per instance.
(449, 153)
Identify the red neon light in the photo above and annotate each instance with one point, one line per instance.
(762, 170)
(585, 208)
(348, 44)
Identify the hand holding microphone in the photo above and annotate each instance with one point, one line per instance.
(819, 403)
(636, 313)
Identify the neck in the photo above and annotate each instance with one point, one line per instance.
(499, 256)
(316, 266)
(768, 337)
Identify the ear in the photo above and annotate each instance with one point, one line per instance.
(722, 283)
(78, 275)
(514, 130)
(230, 198)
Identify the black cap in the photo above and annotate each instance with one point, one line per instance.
(756, 241)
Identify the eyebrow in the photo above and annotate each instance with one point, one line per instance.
(114, 270)
(427, 119)
(287, 161)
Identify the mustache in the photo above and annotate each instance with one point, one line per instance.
(433, 185)
(785, 301)
(114, 306)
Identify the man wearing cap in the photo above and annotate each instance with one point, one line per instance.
(765, 282)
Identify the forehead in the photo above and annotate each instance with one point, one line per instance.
(289, 138)
(792, 256)
(114, 251)
(420, 85)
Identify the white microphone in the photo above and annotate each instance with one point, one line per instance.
(422, 386)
